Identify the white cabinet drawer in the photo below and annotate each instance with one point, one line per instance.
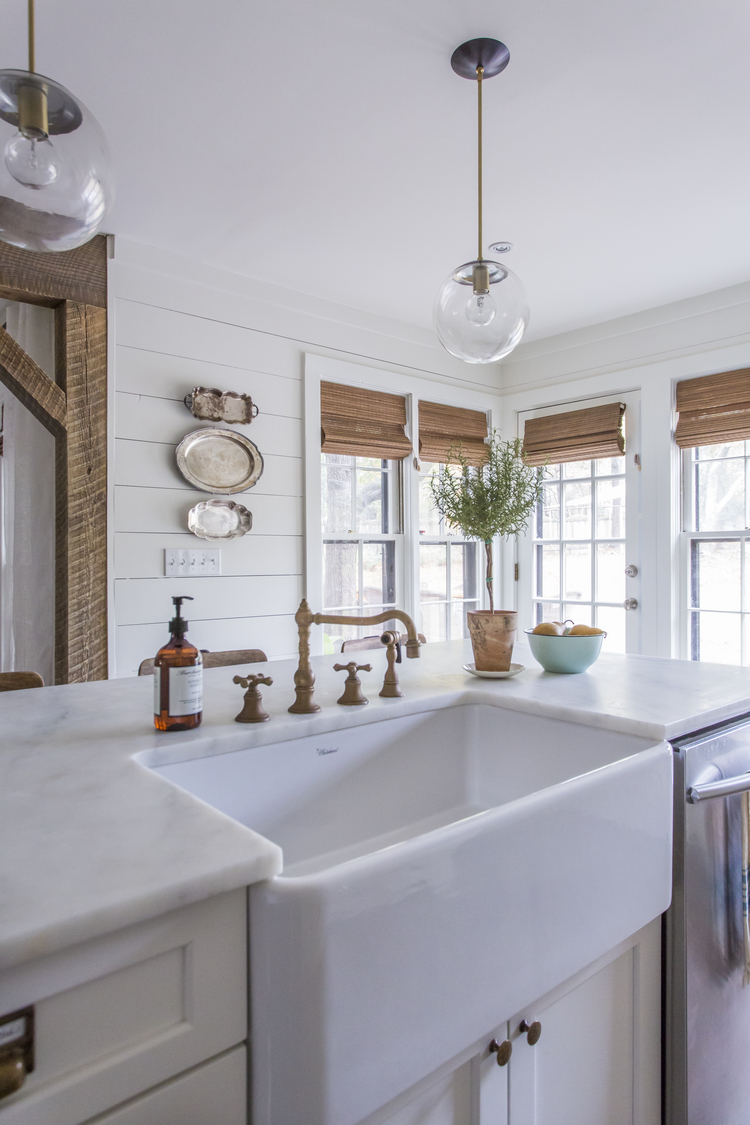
(212, 1094)
(120, 1014)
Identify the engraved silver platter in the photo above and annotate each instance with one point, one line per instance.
(219, 461)
(219, 519)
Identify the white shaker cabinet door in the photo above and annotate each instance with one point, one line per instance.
(597, 1060)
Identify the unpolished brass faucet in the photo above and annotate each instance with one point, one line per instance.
(304, 677)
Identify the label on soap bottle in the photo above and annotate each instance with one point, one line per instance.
(157, 690)
(185, 691)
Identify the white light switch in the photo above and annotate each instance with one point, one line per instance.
(178, 563)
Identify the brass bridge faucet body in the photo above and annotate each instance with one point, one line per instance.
(304, 677)
(353, 695)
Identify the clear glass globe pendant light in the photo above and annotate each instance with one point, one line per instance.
(55, 185)
(481, 311)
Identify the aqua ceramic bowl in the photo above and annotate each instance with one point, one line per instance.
(564, 654)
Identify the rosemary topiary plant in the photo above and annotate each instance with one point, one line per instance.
(495, 498)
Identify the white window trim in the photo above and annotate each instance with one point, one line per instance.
(319, 369)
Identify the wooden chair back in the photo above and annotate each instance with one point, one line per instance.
(216, 659)
(374, 642)
(17, 681)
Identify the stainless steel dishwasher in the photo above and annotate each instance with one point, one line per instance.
(707, 1011)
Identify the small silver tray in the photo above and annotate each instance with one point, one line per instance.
(219, 519)
(213, 405)
(219, 461)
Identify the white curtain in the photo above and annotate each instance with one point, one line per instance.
(27, 531)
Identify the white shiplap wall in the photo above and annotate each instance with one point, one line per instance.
(176, 325)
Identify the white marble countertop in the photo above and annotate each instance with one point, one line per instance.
(92, 840)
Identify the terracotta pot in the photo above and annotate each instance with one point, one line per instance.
(493, 635)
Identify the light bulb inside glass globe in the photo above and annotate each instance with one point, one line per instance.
(481, 309)
(31, 161)
(481, 312)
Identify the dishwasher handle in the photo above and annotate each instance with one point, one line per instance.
(724, 788)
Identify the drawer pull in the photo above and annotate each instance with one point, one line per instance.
(12, 1071)
(533, 1031)
(503, 1050)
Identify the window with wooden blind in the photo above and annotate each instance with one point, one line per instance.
(713, 431)
(441, 427)
(576, 435)
(713, 409)
(449, 585)
(358, 422)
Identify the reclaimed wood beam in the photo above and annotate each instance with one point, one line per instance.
(31, 386)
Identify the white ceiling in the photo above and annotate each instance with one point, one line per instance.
(326, 145)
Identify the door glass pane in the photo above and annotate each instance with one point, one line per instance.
(578, 614)
(577, 469)
(715, 574)
(340, 574)
(547, 611)
(434, 621)
(433, 572)
(577, 571)
(548, 570)
(720, 495)
(610, 572)
(463, 570)
(610, 508)
(577, 499)
(337, 498)
(613, 622)
(548, 513)
(608, 466)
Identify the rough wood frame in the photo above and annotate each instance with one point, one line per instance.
(74, 410)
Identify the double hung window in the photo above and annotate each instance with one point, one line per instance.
(713, 432)
(448, 568)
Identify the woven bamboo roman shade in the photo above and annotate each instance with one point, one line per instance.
(441, 427)
(362, 423)
(577, 435)
(714, 409)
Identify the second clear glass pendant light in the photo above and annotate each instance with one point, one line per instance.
(481, 311)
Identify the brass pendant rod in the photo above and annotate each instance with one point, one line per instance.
(32, 43)
(480, 76)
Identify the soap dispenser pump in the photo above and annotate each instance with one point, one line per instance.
(178, 678)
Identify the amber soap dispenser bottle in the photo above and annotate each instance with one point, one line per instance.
(178, 678)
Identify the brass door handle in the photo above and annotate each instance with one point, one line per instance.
(12, 1071)
(533, 1031)
(503, 1050)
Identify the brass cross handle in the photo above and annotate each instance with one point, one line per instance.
(252, 711)
(352, 685)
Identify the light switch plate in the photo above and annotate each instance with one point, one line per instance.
(196, 564)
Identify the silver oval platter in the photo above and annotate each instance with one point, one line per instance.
(219, 461)
(219, 519)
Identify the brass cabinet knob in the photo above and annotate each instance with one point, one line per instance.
(12, 1071)
(503, 1050)
(533, 1031)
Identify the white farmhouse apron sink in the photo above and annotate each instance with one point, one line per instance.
(442, 870)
